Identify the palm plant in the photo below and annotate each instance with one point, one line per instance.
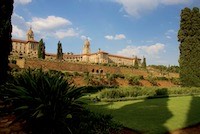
(47, 102)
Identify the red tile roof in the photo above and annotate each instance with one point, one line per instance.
(18, 40)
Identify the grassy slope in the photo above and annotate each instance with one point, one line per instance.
(154, 115)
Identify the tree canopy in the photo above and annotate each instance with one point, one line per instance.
(189, 38)
(59, 51)
(6, 10)
(41, 49)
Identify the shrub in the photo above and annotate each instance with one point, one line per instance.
(152, 80)
(123, 93)
(175, 81)
(133, 80)
(76, 74)
(96, 123)
(119, 76)
(47, 102)
(162, 78)
(162, 92)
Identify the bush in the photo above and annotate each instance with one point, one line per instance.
(152, 80)
(119, 76)
(93, 123)
(175, 81)
(162, 92)
(133, 80)
(76, 74)
(46, 101)
(123, 93)
(162, 78)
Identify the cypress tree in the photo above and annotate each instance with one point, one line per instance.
(189, 38)
(59, 51)
(6, 10)
(136, 64)
(144, 65)
(41, 49)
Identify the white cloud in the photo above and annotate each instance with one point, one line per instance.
(168, 37)
(137, 7)
(83, 37)
(51, 26)
(116, 37)
(170, 33)
(17, 32)
(23, 2)
(66, 33)
(174, 2)
(49, 23)
(19, 26)
(120, 37)
(148, 51)
(109, 37)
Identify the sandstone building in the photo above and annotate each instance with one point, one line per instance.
(29, 49)
(25, 48)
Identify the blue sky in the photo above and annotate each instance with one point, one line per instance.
(122, 27)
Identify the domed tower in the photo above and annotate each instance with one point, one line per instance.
(86, 47)
(30, 35)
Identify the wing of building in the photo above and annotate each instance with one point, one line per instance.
(25, 48)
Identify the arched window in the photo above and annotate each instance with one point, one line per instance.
(92, 70)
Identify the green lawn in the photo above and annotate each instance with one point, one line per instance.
(154, 116)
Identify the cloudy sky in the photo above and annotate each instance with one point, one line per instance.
(123, 27)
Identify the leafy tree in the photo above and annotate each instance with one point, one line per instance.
(59, 51)
(41, 49)
(6, 10)
(189, 38)
(136, 64)
(144, 65)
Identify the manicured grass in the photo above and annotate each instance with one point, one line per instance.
(153, 116)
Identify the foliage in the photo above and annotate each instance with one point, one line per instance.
(136, 64)
(122, 76)
(46, 101)
(76, 74)
(189, 38)
(175, 81)
(162, 78)
(41, 49)
(144, 64)
(59, 51)
(134, 80)
(111, 79)
(152, 80)
(115, 94)
(96, 123)
(6, 10)
(166, 69)
(88, 78)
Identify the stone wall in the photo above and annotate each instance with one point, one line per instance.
(68, 66)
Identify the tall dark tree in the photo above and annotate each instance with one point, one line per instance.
(144, 65)
(136, 64)
(6, 10)
(189, 38)
(41, 49)
(59, 51)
